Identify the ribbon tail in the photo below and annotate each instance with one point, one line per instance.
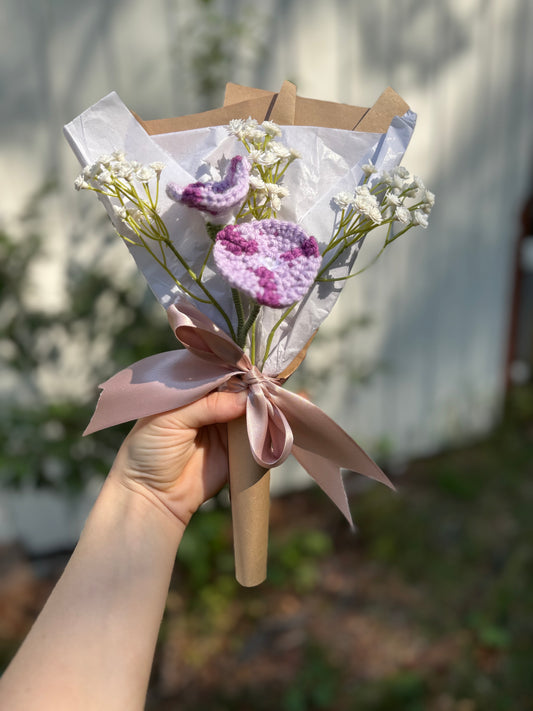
(315, 432)
(328, 477)
(268, 430)
(155, 384)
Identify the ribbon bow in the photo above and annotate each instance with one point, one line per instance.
(279, 423)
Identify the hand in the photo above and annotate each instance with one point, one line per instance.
(179, 458)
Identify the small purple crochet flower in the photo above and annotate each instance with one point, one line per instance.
(216, 198)
(271, 261)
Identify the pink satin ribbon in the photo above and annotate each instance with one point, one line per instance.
(279, 422)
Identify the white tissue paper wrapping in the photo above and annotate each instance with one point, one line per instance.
(330, 163)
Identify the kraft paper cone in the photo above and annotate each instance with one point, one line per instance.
(250, 507)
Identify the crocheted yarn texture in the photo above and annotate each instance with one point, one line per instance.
(216, 198)
(273, 262)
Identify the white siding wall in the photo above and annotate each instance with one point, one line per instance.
(438, 302)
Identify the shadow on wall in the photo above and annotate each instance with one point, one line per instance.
(448, 314)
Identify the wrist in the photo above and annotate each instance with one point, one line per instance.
(142, 502)
(175, 502)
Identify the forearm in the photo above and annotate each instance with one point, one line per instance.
(92, 646)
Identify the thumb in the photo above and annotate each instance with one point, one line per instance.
(215, 408)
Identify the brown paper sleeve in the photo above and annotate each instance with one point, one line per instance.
(250, 507)
(242, 102)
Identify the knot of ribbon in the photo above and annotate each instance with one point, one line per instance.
(255, 377)
(279, 422)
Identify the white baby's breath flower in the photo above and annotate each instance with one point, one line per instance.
(257, 183)
(420, 218)
(80, 183)
(391, 199)
(403, 173)
(366, 204)
(369, 168)
(129, 173)
(279, 150)
(120, 211)
(374, 213)
(412, 192)
(294, 154)
(256, 155)
(119, 169)
(253, 134)
(144, 174)
(268, 159)
(275, 201)
(109, 174)
(417, 189)
(245, 129)
(402, 214)
(135, 214)
(343, 200)
(389, 195)
(105, 177)
(428, 199)
(105, 160)
(236, 127)
(129, 213)
(397, 183)
(271, 129)
(157, 167)
(94, 170)
(398, 178)
(275, 194)
(362, 191)
(277, 190)
(271, 189)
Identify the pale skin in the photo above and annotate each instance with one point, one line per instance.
(92, 646)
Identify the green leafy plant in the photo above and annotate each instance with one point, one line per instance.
(40, 431)
(316, 683)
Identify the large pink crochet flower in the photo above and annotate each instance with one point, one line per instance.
(216, 198)
(271, 261)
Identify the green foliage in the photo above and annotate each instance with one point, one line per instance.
(19, 326)
(205, 561)
(206, 566)
(295, 557)
(405, 690)
(40, 434)
(315, 684)
(42, 446)
(213, 44)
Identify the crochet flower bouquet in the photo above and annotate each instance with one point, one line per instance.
(247, 227)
